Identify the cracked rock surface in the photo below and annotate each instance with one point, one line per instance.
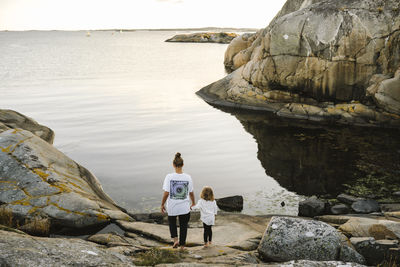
(37, 180)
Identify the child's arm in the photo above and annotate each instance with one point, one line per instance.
(197, 206)
(215, 208)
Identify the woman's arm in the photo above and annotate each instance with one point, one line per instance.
(164, 198)
(191, 194)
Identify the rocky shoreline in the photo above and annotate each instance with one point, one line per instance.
(325, 61)
(44, 193)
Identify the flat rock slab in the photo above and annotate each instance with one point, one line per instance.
(341, 219)
(366, 227)
(230, 230)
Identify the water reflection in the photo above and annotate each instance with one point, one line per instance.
(309, 159)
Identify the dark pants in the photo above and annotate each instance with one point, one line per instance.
(207, 233)
(183, 225)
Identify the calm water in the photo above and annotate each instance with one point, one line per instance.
(123, 104)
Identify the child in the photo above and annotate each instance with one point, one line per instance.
(208, 210)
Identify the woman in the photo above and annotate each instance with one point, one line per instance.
(179, 196)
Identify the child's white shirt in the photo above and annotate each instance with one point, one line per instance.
(208, 210)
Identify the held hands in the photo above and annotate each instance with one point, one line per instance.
(162, 209)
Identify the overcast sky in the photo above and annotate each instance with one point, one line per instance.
(139, 14)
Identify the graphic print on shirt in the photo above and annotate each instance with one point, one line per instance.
(179, 189)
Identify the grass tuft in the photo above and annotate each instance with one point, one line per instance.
(156, 256)
(6, 217)
(36, 226)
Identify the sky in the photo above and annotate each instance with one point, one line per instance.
(135, 14)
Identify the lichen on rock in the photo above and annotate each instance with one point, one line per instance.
(37, 180)
(288, 239)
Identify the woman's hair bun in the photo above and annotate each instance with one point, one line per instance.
(178, 160)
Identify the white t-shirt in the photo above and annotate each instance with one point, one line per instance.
(208, 210)
(178, 185)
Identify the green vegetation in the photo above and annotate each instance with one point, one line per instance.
(156, 256)
(6, 217)
(380, 184)
(35, 225)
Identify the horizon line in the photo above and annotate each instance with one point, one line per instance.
(143, 29)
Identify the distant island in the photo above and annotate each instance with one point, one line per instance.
(204, 37)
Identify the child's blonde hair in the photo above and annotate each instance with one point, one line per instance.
(207, 193)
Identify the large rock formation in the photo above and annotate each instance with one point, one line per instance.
(241, 48)
(317, 63)
(38, 181)
(204, 37)
(296, 239)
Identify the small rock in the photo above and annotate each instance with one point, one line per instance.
(197, 257)
(347, 199)
(390, 207)
(247, 245)
(340, 209)
(348, 254)
(373, 250)
(365, 206)
(311, 207)
(248, 258)
(234, 203)
(158, 217)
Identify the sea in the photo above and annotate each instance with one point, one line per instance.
(123, 103)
